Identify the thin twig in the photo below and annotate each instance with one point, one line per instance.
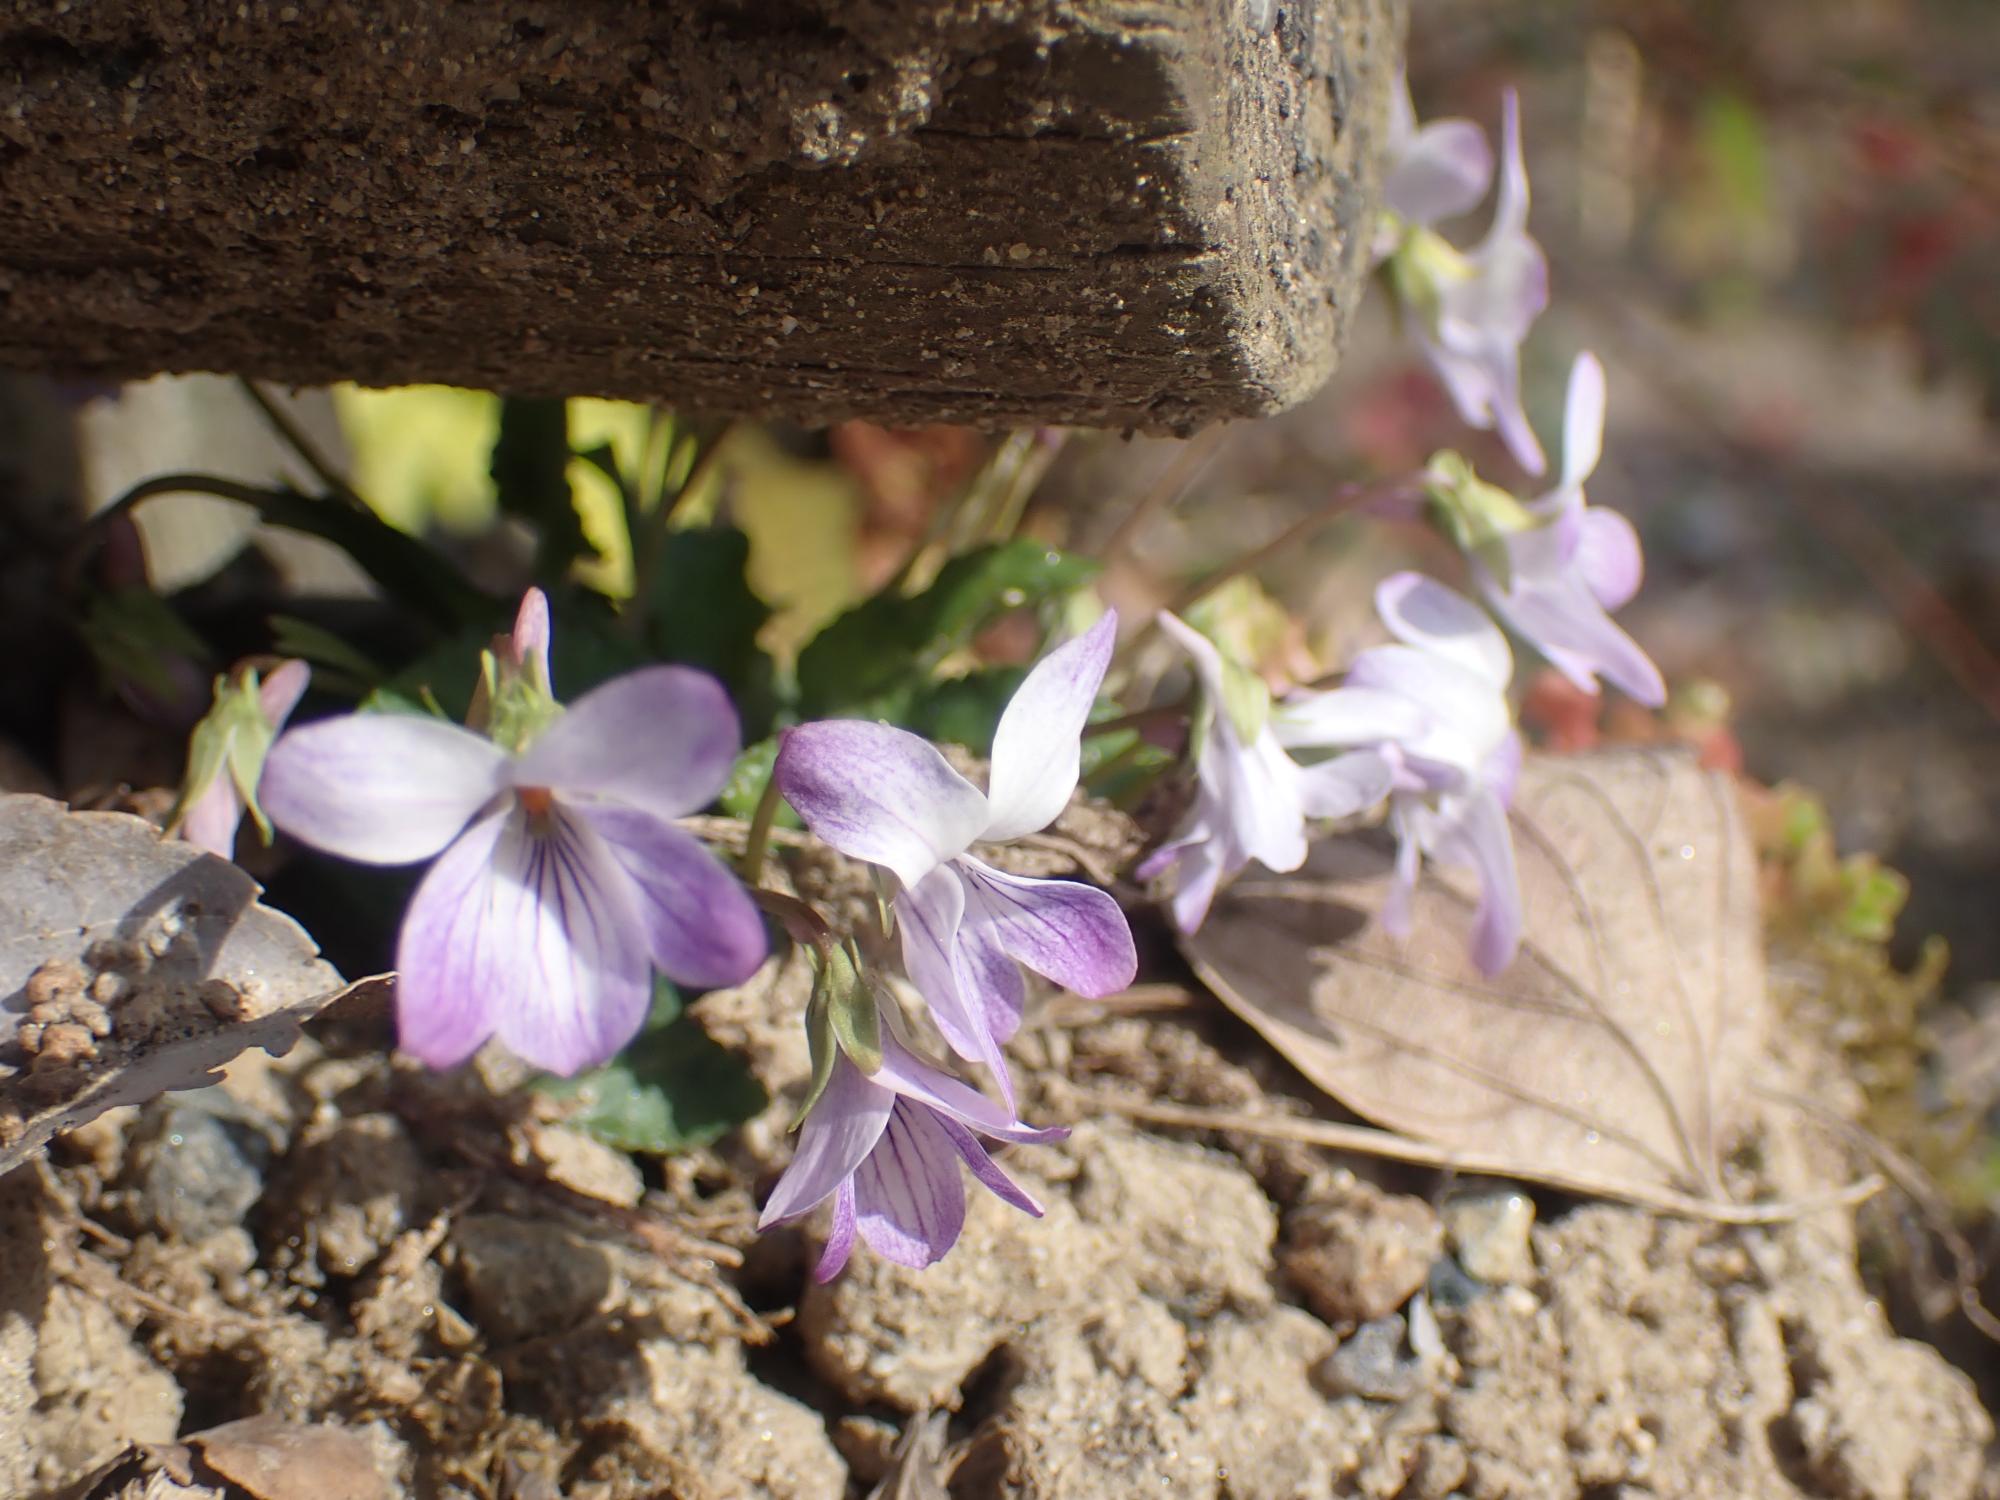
(751, 865)
(1168, 485)
(296, 439)
(1381, 1143)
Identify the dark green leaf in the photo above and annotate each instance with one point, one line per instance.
(872, 659)
(702, 613)
(409, 572)
(672, 1090)
(965, 710)
(531, 478)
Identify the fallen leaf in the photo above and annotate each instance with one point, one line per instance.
(130, 965)
(272, 1459)
(1605, 1057)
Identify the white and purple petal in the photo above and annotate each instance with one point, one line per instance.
(1345, 785)
(909, 1200)
(1583, 421)
(1422, 612)
(962, 982)
(1071, 933)
(662, 739)
(444, 997)
(1474, 833)
(1038, 744)
(843, 1126)
(879, 794)
(382, 789)
(702, 928)
(1443, 170)
(211, 820)
(983, 1167)
(1608, 557)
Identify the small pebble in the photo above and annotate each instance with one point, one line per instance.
(1489, 1234)
(1372, 1362)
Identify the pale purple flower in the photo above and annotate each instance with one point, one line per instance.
(1469, 312)
(561, 880)
(1251, 799)
(884, 795)
(1575, 563)
(886, 1148)
(235, 762)
(1452, 770)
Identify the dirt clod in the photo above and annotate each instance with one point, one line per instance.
(1357, 1253)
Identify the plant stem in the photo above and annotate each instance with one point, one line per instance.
(296, 439)
(751, 865)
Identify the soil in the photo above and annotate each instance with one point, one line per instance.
(488, 1303)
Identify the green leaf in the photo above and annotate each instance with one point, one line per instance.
(672, 1090)
(703, 613)
(965, 710)
(873, 659)
(747, 780)
(337, 665)
(408, 571)
(851, 1007)
(531, 477)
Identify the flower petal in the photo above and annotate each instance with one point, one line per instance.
(1197, 875)
(1583, 421)
(527, 646)
(1478, 836)
(1068, 932)
(662, 739)
(444, 1006)
(1345, 716)
(1608, 557)
(913, 1078)
(566, 961)
(1443, 171)
(880, 794)
(702, 928)
(1395, 913)
(1510, 211)
(908, 1197)
(1201, 651)
(1345, 785)
(839, 1234)
(279, 693)
(990, 1176)
(1420, 611)
(929, 915)
(1037, 747)
(1568, 626)
(383, 789)
(211, 820)
(842, 1128)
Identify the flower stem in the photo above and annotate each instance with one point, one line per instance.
(296, 439)
(751, 866)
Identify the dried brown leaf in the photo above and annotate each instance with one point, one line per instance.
(1603, 1057)
(129, 966)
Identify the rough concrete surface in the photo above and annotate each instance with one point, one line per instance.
(1138, 213)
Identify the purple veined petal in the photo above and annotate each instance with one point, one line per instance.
(444, 1003)
(1345, 785)
(1583, 421)
(929, 915)
(842, 1127)
(1422, 612)
(662, 739)
(991, 982)
(880, 794)
(1345, 716)
(382, 789)
(1038, 745)
(839, 1234)
(568, 977)
(913, 1078)
(1258, 791)
(1480, 364)
(1479, 836)
(908, 1197)
(1608, 558)
(702, 928)
(1569, 627)
(982, 1165)
(279, 693)
(1443, 171)
(528, 644)
(211, 821)
(1071, 933)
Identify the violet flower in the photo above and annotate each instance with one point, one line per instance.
(1554, 567)
(226, 756)
(884, 795)
(886, 1149)
(561, 880)
(1469, 311)
(1452, 775)
(1251, 799)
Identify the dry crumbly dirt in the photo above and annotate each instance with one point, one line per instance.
(500, 1307)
